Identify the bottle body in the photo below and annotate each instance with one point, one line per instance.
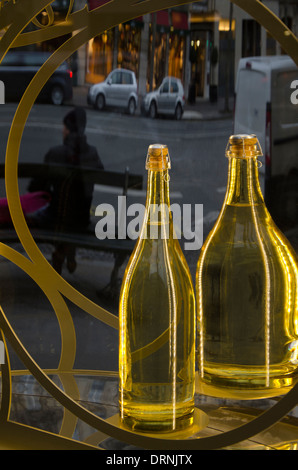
(157, 328)
(247, 294)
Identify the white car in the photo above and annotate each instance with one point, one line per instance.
(119, 90)
(168, 99)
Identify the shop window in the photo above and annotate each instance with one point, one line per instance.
(100, 57)
(129, 40)
(176, 56)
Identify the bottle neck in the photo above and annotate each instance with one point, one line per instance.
(243, 182)
(158, 191)
(158, 218)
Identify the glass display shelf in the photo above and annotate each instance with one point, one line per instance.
(32, 406)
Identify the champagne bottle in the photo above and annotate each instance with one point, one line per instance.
(157, 318)
(247, 289)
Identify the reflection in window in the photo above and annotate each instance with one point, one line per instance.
(176, 56)
(129, 39)
(116, 78)
(165, 88)
(174, 87)
(126, 78)
(100, 57)
(118, 47)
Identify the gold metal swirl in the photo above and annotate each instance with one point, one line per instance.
(85, 25)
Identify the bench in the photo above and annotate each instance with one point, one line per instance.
(121, 248)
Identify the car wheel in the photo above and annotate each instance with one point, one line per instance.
(152, 110)
(57, 95)
(132, 106)
(100, 102)
(178, 112)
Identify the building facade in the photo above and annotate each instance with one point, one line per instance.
(200, 43)
(153, 46)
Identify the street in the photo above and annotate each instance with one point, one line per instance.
(198, 176)
(197, 152)
(199, 167)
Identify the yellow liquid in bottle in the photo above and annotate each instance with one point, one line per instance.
(247, 281)
(157, 329)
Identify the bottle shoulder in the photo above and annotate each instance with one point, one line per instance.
(248, 235)
(157, 260)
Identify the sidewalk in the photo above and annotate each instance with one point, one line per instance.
(201, 110)
(204, 110)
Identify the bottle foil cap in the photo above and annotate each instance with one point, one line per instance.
(158, 158)
(243, 146)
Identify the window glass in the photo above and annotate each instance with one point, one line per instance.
(174, 87)
(116, 78)
(99, 52)
(165, 87)
(126, 78)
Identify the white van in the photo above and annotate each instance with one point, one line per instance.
(265, 105)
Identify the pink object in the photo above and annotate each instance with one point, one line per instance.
(30, 203)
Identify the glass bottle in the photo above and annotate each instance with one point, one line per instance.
(247, 289)
(157, 318)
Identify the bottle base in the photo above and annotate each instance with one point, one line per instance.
(156, 420)
(250, 383)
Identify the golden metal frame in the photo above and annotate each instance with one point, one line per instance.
(84, 25)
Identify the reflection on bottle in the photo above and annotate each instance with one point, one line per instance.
(247, 288)
(157, 318)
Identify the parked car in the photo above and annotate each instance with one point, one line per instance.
(263, 106)
(168, 99)
(19, 67)
(118, 90)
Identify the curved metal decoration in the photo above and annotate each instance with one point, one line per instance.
(84, 25)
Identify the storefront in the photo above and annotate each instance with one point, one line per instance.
(118, 47)
(165, 40)
(168, 44)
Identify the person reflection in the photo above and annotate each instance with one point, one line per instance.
(71, 195)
